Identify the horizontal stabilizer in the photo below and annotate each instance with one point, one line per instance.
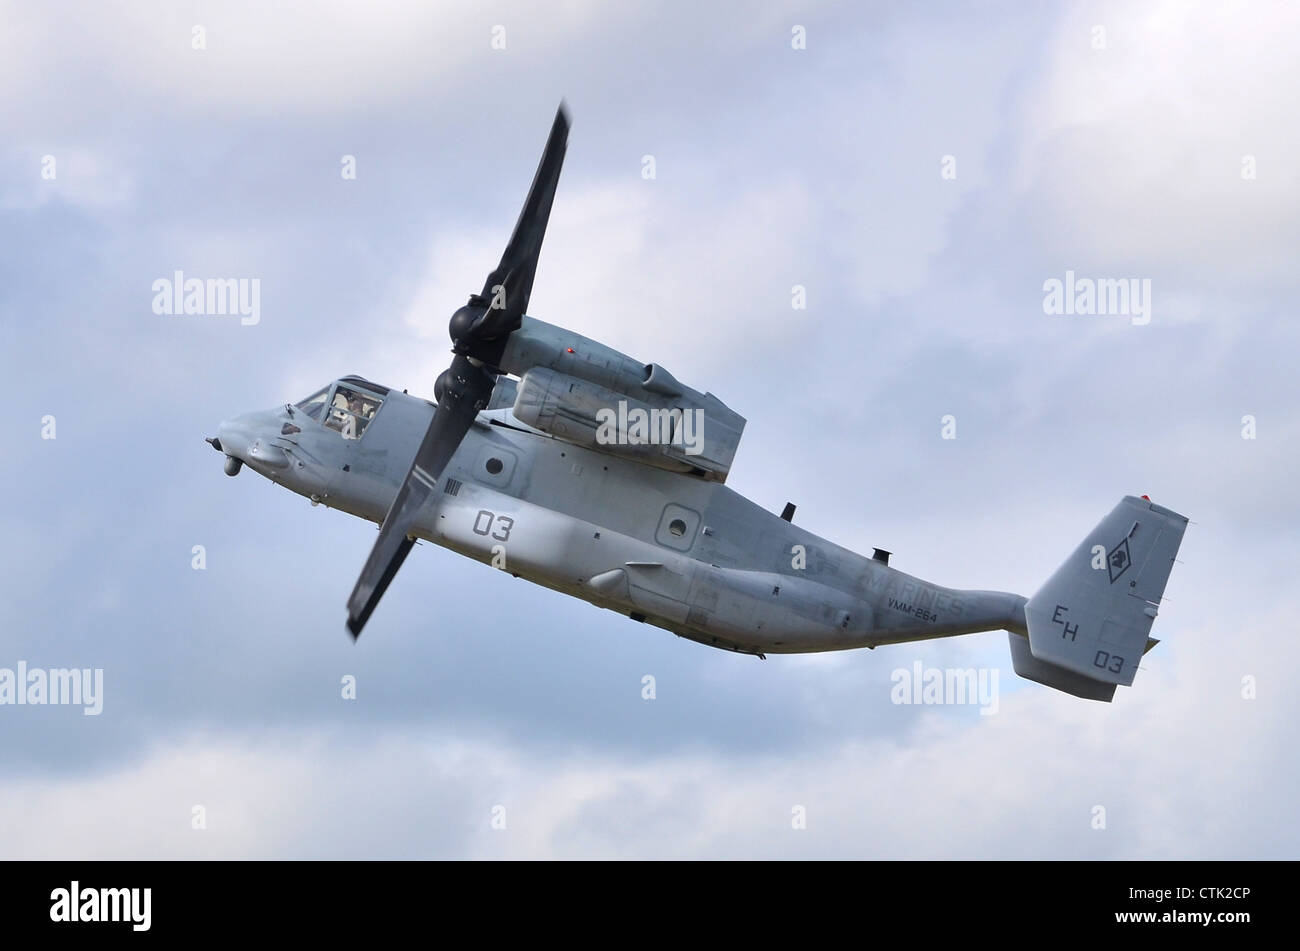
(1049, 675)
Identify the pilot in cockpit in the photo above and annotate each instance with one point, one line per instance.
(350, 411)
(356, 415)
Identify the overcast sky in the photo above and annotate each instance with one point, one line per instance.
(1161, 148)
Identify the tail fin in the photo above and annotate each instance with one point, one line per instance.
(1089, 625)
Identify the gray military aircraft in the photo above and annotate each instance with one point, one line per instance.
(572, 465)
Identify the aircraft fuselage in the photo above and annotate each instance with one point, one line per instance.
(667, 548)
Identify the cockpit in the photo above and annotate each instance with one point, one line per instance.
(346, 406)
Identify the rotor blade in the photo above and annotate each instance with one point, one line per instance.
(362, 603)
(514, 275)
(469, 390)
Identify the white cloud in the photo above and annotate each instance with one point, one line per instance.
(1166, 761)
(317, 58)
(1134, 153)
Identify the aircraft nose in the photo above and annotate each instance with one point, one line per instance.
(234, 436)
(248, 439)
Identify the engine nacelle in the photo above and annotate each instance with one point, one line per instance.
(588, 394)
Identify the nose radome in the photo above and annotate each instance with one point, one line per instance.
(249, 438)
(235, 436)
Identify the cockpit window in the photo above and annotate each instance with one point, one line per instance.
(313, 404)
(351, 410)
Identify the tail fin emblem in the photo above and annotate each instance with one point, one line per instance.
(1118, 560)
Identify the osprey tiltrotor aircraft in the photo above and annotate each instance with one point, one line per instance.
(570, 464)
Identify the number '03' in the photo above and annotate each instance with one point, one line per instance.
(484, 520)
